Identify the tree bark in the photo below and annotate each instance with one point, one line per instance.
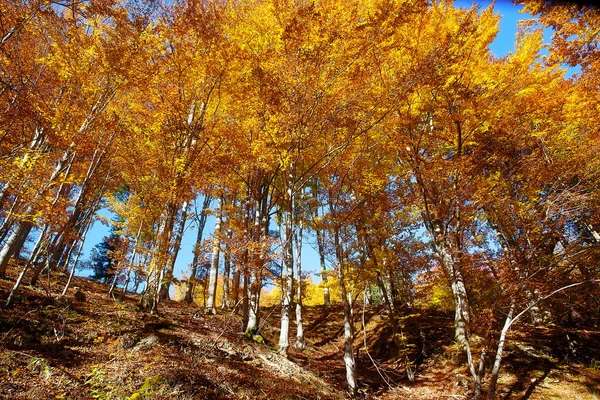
(236, 288)
(201, 219)
(300, 343)
(225, 302)
(321, 247)
(459, 294)
(131, 263)
(166, 284)
(36, 248)
(81, 242)
(287, 290)
(245, 302)
(349, 360)
(211, 307)
(498, 360)
(11, 246)
(253, 317)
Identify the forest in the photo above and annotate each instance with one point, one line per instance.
(431, 174)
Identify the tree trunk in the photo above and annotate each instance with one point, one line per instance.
(225, 302)
(498, 360)
(36, 249)
(459, 294)
(211, 306)
(7, 222)
(11, 246)
(236, 288)
(288, 279)
(36, 143)
(201, 219)
(300, 343)
(132, 262)
(81, 242)
(21, 240)
(166, 285)
(158, 260)
(113, 283)
(480, 375)
(245, 302)
(253, 318)
(321, 247)
(349, 360)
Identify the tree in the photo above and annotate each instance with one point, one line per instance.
(105, 258)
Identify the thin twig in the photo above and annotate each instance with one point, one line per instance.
(386, 379)
(10, 330)
(267, 317)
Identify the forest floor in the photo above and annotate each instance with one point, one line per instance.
(60, 348)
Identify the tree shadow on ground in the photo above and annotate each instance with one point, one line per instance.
(527, 365)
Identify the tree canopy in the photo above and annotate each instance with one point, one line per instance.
(385, 129)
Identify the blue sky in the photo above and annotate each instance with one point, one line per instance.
(502, 45)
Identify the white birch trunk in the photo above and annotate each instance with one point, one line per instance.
(300, 343)
(498, 360)
(254, 299)
(288, 279)
(349, 361)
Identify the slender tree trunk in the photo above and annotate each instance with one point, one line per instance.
(36, 143)
(21, 240)
(156, 291)
(245, 302)
(72, 273)
(225, 302)
(236, 288)
(161, 256)
(300, 343)
(165, 286)
(321, 247)
(8, 221)
(288, 261)
(150, 298)
(459, 294)
(201, 219)
(11, 245)
(11, 296)
(132, 262)
(113, 283)
(480, 375)
(349, 360)
(498, 360)
(211, 306)
(254, 300)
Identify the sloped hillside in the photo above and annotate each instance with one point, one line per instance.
(62, 348)
(97, 348)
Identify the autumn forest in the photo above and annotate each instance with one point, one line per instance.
(430, 173)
